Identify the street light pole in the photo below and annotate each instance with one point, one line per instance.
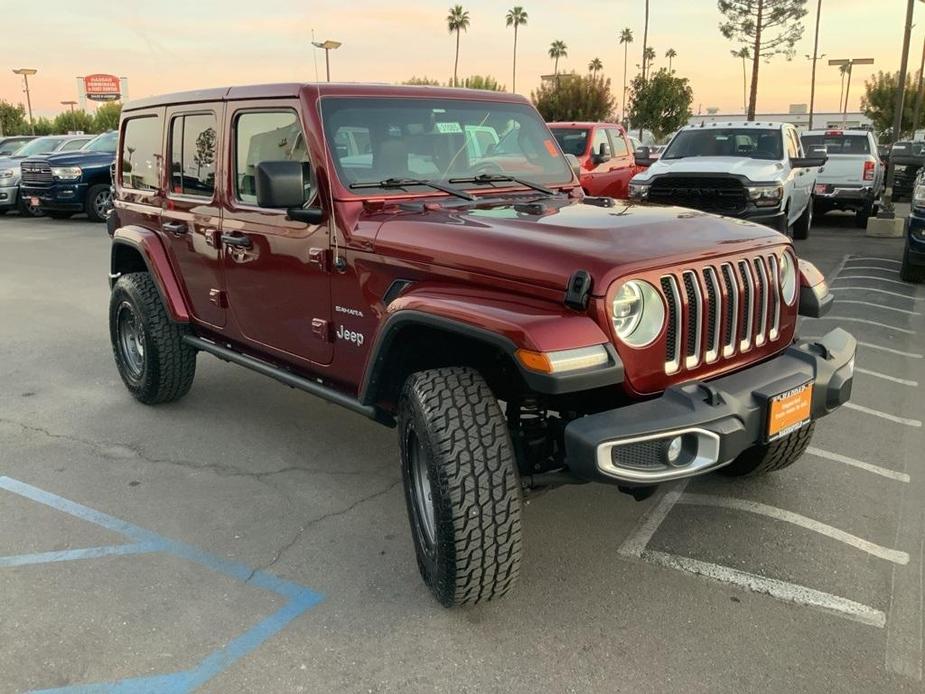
(25, 72)
(816, 56)
(849, 64)
(328, 46)
(72, 104)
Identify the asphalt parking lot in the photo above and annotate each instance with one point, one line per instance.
(252, 539)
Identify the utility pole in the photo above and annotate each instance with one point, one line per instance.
(816, 56)
(25, 72)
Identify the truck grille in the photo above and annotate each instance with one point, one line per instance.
(720, 195)
(36, 172)
(721, 310)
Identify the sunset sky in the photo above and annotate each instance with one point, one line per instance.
(171, 45)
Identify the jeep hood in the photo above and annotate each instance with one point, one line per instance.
(545, 246)
(757, 170)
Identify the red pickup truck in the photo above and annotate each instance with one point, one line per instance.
(604, 153)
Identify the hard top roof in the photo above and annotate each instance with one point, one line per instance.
(764, 125)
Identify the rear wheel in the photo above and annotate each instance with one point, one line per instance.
(461, 486)
(803, 224)
(99, 202)
(765, 458)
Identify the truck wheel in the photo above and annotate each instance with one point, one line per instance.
(99, 202)
(762, 459)
(783, 224)
(909, 272)
(153, 361)
(803, 224)
(461, 486)
(862, 215)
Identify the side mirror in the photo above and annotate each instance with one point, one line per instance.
(281, 185)
(809, 162)
(574, 164)
(643, 156)
(602, 154)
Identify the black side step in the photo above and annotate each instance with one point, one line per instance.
(290, 379)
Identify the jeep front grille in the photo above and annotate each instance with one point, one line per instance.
(36, 172)
(721, 310)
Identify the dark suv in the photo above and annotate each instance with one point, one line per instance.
(426, 258)
(63, 184)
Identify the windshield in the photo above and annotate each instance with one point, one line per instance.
(571, 140)
(376, 139)
(38, 146)
(837, 143)
(103, 143)
(726, 142)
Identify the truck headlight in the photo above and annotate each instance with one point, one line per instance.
(639, 191)
(788, 278)
(766, 196)
(7, 173)
(66, 173)
(918, 195)
(638, 313)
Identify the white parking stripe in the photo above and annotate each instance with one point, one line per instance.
(782, 590)
(874, 289)
(871, 277)
(868, 322)
(885, 260)
(869, 267)
(886, 377)
(876, 469)
(636, 542)
(880, 306)
(893, 555)
(884, 415)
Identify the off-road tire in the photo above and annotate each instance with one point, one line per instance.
(96, 196)
(909, 272)
(58, 214)
(862, 215)
(802, 226)
(450, 420)
(765, 458)
(167, 365)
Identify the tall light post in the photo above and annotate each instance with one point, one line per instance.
(72, 104)
(328, 46)
(850, 63)
(815, 57)
(25, 72)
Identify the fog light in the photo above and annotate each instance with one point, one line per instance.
(673, 452)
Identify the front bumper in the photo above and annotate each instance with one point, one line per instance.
(717, 420)
(8, 196)
(66, 197)
(769, 216)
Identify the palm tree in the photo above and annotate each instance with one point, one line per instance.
(649, 58)
(457, 20)
(744, 54)
(595, 65)
(516, 16)
(557, 49)
(645, 42)
(626, 38)
(671, 54)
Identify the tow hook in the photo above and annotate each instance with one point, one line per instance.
(639, 493)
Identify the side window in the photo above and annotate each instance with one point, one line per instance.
(192, 154)
(141, 153)
(617, 143)
(600, 138)
(266, 136)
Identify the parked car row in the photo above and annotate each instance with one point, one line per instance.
(59, 176)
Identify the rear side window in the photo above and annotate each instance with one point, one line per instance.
(838, 143)
(141, 153)
(192, 154)
(73, 145)
(617, 144)
(265, 136)
(571, 140)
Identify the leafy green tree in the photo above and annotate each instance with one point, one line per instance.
(486, 82)
(557, 49)
(44, 126)
(595, 66)
(73, 121)
(456, 21)
(422, 81)
(626, 38)
(574, 97)
(107, 117)
(879, 103)
(13, 119)
(661, 104)
(767, 27)
(515, 17)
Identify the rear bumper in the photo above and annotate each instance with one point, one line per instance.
(844, 191)
(66, 197)
(717, 420)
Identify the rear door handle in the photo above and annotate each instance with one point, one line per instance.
(236, 240)
(176, 228)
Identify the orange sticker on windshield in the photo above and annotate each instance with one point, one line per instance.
(551, 148)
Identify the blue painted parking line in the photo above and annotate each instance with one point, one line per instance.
(300, 599)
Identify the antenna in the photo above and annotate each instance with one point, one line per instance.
(339, 263)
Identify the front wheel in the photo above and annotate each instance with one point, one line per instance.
(783, 224)
(803, 224)
(769, 457)
(461, 486)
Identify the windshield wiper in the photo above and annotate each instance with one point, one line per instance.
(503, 178)
(405, 182)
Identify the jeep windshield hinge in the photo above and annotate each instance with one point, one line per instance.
(578, 290)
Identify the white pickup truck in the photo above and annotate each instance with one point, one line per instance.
(853, 175)
(754, 171)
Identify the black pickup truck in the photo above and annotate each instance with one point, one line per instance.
(908, 157)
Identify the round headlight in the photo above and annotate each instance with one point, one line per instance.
(638, 313)
(788, 278)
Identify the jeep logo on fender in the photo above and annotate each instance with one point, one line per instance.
(350, 335)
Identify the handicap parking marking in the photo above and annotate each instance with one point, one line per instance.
(299, 598)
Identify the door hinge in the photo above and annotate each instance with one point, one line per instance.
(218, 297)
(319, 257)
(322, 329)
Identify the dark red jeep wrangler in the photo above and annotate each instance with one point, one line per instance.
(425, 257)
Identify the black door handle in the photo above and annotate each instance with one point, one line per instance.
(236, 240)
(175, 227)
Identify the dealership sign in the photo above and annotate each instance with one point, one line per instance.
(102, 87)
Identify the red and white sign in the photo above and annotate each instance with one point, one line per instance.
(102, 87)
